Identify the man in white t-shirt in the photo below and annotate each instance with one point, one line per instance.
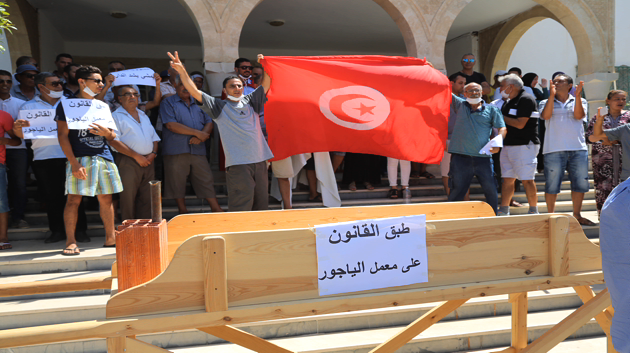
(565, 144)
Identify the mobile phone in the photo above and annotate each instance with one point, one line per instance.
(604, 111)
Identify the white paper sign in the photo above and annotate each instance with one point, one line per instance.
(81, 113)
(497, 141)
(143, 76)
(42, 123)
(371, 254)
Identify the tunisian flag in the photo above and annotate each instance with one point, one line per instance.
(389, 106)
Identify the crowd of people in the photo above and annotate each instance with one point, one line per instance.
(537, 126)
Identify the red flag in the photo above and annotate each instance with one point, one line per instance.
(389, 106)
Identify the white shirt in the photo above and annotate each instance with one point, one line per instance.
(564, 132)
(12, 106)
(138, 136)
(44, 148)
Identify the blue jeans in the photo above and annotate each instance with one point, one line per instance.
(4, 197)
(462, 170)
(17, 166)
(575, 162)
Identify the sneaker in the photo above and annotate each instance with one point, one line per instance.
(532, 212)
(82, 237)
(502, 214)
(20, 223)
(55, 237)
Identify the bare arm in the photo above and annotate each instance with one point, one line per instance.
(157, 98)
(13, 141)
(518, 123)
(62, 135)
(266, 80)
(578, 110)
(183, 75)
(109, 80)
(485, 88)
(548, 111)
(598, 128)
(185, 130)
(503, 131)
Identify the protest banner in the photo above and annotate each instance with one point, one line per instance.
(81, 113)
(42, 123)
(141, 77)
(371, 254)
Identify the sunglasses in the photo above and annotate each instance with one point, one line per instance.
(8, 82)
(56, 83)
(96, 80)
(245, 67)
(129, 95)
(468, 60)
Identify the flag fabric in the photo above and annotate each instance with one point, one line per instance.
(389, 106)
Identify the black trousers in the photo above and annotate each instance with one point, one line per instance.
(51, 176)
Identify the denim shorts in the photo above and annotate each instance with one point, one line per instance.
(575, 162)
(4, 196)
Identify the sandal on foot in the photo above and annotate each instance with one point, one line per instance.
(352, 186)
(515, 204)
(71, 251)
(368, 186)
(585, 221)
(317, 198)
(427, 175)
(392, 194)
(6, 246)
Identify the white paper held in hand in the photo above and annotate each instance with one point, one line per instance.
(495, 142)
(142, 76)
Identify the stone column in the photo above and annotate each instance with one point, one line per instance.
(596, 88)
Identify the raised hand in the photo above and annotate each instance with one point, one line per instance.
(20, 123)
(260, 57)
(552, 90)
(176, 63)
(599, 115)
(543, 82)
(578, 90)
(157, 78)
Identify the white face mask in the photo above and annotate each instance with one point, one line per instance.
(505, 95)
(474, 100)
(89, 91)
(235, 99)
(54, 94)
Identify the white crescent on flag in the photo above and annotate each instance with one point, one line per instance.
(367, 106)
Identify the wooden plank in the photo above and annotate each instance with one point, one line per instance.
(116, 344)
(215, 274)
(519, 320)
(570, 324)
(558, 245)
(55, 286)
(418, 326)
(604, 319)
(115, 270)
(610, 348)
(183, 227)
(264, 312)
(244, 339)
(136, 346)
(459, 251)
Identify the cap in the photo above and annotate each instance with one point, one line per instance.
(164, 74)
(23, 68)
(500, 73)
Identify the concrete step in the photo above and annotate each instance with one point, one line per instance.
(481, 319)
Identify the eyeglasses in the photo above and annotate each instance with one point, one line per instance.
(245, 67)
(468, 60)
(29, 75)
(56, 83)
(96, 80)
(473, 91)
(8, 82)
(129, 95)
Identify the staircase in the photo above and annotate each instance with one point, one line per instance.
(482, 324)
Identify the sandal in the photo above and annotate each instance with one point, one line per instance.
(317, 198)
(392, 193)
(585, 222)
(71, 251)
(352, 186)
(515, 204)
(6, 246)
(368, 185)
(427, 175)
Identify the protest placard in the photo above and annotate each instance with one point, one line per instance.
(81, 113)
(371, 254)
(142, 76)
(42, 123)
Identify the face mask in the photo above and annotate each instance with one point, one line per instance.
(89, 91)
(234, 99)
(54, 94)
(474, 100)
(505, 95)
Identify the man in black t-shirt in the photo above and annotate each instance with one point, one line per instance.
(520, 148)
(468, 63)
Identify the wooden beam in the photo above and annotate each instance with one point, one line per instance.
(604, 319)
(136, 346)
(255, 313)
(558, 245)
(215, 270)
(115, 270)
(55, 286)
(610, 348)
(116, 344)
(244, 339)
(570, 324)
(415, 328)
(519, 320)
